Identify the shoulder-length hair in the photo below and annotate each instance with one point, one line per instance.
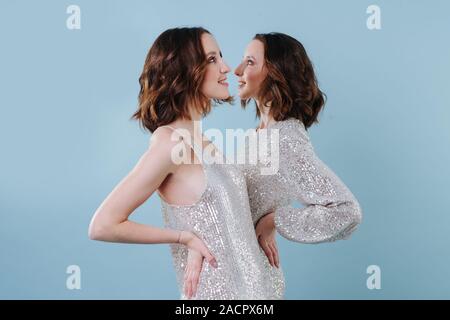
(290, 87)
(171, 80)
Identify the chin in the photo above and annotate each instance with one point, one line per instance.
(222, 95)
(243, 95)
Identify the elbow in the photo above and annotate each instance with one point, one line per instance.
(355, 218)
(354, 215)
(94, 232)
(357, 213)
(97, 231)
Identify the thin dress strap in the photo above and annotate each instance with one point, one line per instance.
(198, 151)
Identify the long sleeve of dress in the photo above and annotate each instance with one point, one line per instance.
(331, 211)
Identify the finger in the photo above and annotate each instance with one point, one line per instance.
(263, 245)
(209, 257)
(186, 271)
(266, 250)
(272, 256)
(189, 286)
(195, 279)
(186, 288)
(192, 287)
(276, 257)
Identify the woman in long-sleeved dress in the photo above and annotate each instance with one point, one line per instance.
(277, 73)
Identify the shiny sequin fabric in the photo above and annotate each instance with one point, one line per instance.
(330, 211)
(222, 219)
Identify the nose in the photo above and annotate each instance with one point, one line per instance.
(239, 69)
(225, 68)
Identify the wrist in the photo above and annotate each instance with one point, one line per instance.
(269, 219)
(182, 236)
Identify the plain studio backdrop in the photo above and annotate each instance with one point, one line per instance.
(66, 96)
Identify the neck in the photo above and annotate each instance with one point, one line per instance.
(193, 125)
(266, 118)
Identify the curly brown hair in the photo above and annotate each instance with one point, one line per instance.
(290, 87)
(171, 80)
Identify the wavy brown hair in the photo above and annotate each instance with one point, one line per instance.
(171, 80)
(290, 87)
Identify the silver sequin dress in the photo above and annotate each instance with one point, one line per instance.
(330, 210)
(222, 219)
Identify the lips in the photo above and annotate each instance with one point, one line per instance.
(223, 82)
(241, 83)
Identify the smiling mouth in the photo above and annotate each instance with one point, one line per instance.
(241, 84)
(223, 82)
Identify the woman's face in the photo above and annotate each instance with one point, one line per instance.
(251, 72)
(214, 85)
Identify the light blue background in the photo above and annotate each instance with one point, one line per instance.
(66, 141)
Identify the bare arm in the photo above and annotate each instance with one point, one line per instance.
(110, 221)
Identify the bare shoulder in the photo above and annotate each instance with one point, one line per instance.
(164, 139)
(159, 152)
(163, 134)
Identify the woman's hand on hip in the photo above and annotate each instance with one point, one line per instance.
(265, 233)
(197, 252)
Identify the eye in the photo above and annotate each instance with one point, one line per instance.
(212, 59)
(250, 62)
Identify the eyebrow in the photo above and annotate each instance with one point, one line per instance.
(252, 57)
(214, 53)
